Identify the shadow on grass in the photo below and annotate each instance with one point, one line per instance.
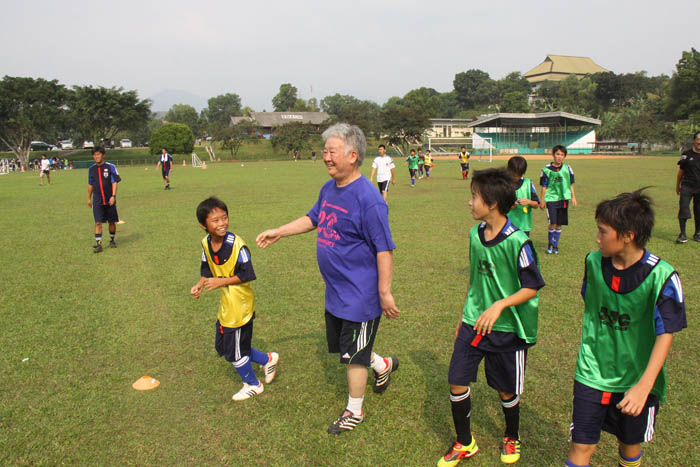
(436, 409)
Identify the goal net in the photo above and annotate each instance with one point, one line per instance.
(196, 161)
(4, 166)
(476, 145)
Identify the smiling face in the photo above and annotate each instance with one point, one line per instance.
(99, 157)
(217, 223)
(340, 165)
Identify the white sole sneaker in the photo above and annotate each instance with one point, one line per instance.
(248, 391)
(270, 368)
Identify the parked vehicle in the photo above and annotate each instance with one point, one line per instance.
(66, 144)
(125, 143)
(88, 145)
(41, 146)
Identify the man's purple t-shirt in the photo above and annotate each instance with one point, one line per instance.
(353, 226)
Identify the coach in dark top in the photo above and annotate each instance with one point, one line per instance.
(688, 187)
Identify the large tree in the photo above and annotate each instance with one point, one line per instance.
(221, 108)
(285, 99)
(513, 91)
(232, 137)
(101, 113)
(403, 125)
(186, 114)
(363, 113)
(425, 100)
(293, 136)
(684, 99)
(475, 89)
(29, 109)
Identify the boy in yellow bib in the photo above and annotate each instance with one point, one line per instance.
(226, 266)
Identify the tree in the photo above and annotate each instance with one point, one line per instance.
(684, 98)
(232, 137)
(103, 112)
(513, 93)
(185, 114)
(449, 107)
(175, 137)
(29, 108)
(349, 109)
(312, 104)
(475, 89)
(221, 108)
(285, 99)
(294, 136)
(403, 125)
(425, 100)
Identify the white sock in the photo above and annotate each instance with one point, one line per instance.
(378, 364)
(355, 405)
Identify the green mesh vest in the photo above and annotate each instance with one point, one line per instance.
(559, 187)
(521, 216)
(619, 330)
(493, 276)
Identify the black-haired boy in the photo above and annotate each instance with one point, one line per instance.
(525, 195)
(102, 197)
(557, 180)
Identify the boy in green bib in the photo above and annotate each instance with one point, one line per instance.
(525, 195)
(633, 305)
(499, 319)
(557, 181)
(412, 166)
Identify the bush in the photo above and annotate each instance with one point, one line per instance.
(175, 137)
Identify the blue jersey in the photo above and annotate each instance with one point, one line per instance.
(101, 177)
(353, 226)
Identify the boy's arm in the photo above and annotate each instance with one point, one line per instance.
(573, 196)
(678, 181)
(385, 270)
(213, 283)
(89, 196)
(484, 323)
(542, 203)
(636, 396)
(196, 289)
(393, 178)
(113, 198)
(371, 176)
(298, 226)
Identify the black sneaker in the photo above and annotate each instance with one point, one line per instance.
(682, 239)
(112, 244)
(696, 237)
(556, 250)
(97, 248)
(346, 422)
(382, 380)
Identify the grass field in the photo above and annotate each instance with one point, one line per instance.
(79, 328)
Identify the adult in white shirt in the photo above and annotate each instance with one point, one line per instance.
(383, 166)
(45, 170)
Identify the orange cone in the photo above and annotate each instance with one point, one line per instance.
(184, 164)
(145, 383)
(22, 168)
(204, 165)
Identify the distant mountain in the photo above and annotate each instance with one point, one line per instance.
(166, 99)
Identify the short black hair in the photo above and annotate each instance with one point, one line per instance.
(517, 165)
(207, 206)
(695, 135)
(559, 147)
(628, 212)
(99, 149)
(413, 150)
(495, 186)
(381, 146)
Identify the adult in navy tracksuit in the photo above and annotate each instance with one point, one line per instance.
(102, 196)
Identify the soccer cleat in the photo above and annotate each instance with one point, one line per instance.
(550, 249)
(97, 248)
(510, 452)
(248, 391)
(112, 244)
(346, 422)
(556, 250)
(270, 368)
(682, 239)
(696, 237)
(457, 452)
(382, 380)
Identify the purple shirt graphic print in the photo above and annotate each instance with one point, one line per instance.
(352, 227)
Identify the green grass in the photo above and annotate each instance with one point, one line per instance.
(90, 325)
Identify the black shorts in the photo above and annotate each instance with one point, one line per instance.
(45, 171)
(558, 213)
(465, 167)
(686, 195)
(413, 172)
(596, 410)
(234, 343)
(505, 371)
(104, 213)
(166, 173)
(352, 340)
(383, 186)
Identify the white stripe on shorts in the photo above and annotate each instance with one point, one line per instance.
(649, 433)
(519, 371)
(237, 344)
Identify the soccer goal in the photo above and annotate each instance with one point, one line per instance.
(212, 156)
(476, 145)
(196, 161)
(4, 166)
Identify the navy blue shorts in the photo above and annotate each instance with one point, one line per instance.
(596, 410)
(505, 371)
(105, 213)
(166, 173)
(352, 340)
(234, 343)
(558, 213)
(465, 167)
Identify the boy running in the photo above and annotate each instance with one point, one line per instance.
(383, 166)
(428, 163)
(525, 195)
(557, 181)
(102, 197)
(464, 161)
(499, 319)
(226, 266)
(688, 188)
(421, 162)
(412, 166)
(633, 305)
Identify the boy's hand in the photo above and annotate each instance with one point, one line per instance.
(459, 325)
(212, 283)
(484, 323)
(388, 305)
(574, 202)
(267, 238)
(196, 290)
(634, 400)
(542, 206)
(89, 203)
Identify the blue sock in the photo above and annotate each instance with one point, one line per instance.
(555, 237)
(571, 464)
(258, 357)
(245, 369)
(413, 180)
(550, 237)
(623, 461)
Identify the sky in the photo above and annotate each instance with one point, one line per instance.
(369, 49)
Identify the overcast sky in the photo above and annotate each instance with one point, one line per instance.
(369, 49)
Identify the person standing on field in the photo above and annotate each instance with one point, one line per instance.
(167, 162)
(45, 170)
(688, 188)
(103, 178)
(383, 166)
(354, 252)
